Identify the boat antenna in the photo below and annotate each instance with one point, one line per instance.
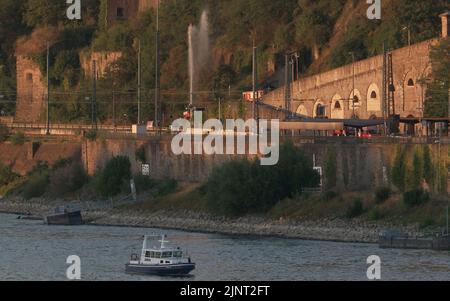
(163, 241)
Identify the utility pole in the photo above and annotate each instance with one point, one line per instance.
(254, 82)
(94, 94)
(157, 69)
(48, 89)
(139, 84)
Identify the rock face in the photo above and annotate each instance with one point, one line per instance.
(103, 61)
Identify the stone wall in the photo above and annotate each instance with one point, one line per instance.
(31, 91)
(334, 89)
(22, 158)
(359, 166)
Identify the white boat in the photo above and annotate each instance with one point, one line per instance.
(162, 261)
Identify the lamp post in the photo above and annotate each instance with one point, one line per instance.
(409, 34)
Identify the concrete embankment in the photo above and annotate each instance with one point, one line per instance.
(325, 229)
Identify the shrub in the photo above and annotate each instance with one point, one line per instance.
(109, 181)
(4, 132)
(382, 194)
(399, 169)
(36, 186)
(374, 214)
(355, 210)
(241, 187)
(62, 163)
(329, 195)
(6, 175)
(415, 198)
(91, 135)
(66, 179)
(17, 138)
(140, 154)
(143, 183)
(166, 186)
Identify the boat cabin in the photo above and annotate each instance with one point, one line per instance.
(163, 255)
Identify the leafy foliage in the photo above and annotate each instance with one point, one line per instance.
(415, 197)
(241, 187)
(109, 181)
(17, 138)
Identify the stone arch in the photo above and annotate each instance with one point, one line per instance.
(409, 96)
(373, 98)
(337, 107)
(358, 100)
(320, 109)
(301, 110)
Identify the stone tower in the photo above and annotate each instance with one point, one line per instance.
(31, 91)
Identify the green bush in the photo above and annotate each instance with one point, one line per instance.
(17, 138)
(110, 180)
(91, 135)
(399, 169)
(6, 175)
(67, 179)
(166, 186)
(143, 183)
(330, 195)
(140, 154)
(382, 194)
(4, 132)
(355, 209)
(415, 198)
(36, 186)
(374, 214)
(241, 187)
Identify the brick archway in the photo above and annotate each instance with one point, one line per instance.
(337, 107)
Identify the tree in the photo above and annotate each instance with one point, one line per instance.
(44, 12)
(399, 169)
(110, 180)
(437, 92)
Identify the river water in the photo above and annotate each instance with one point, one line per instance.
(30, 250)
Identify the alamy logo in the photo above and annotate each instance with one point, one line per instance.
(74, 270)
(374, 10)
(374, 270)
(191, 140)
(74, 10)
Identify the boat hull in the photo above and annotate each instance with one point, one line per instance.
(160, 270)
(67, 219)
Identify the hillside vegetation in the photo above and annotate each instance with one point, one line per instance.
(323, 32)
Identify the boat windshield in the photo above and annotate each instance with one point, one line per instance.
(177, 254)
(166, 254)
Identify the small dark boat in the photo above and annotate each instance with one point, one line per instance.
(161, 261)
(65, 216)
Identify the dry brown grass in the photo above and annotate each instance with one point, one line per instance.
(37, 41)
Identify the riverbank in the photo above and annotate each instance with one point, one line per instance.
(326, 229)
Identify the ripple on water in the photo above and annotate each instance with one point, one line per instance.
(32, 251)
